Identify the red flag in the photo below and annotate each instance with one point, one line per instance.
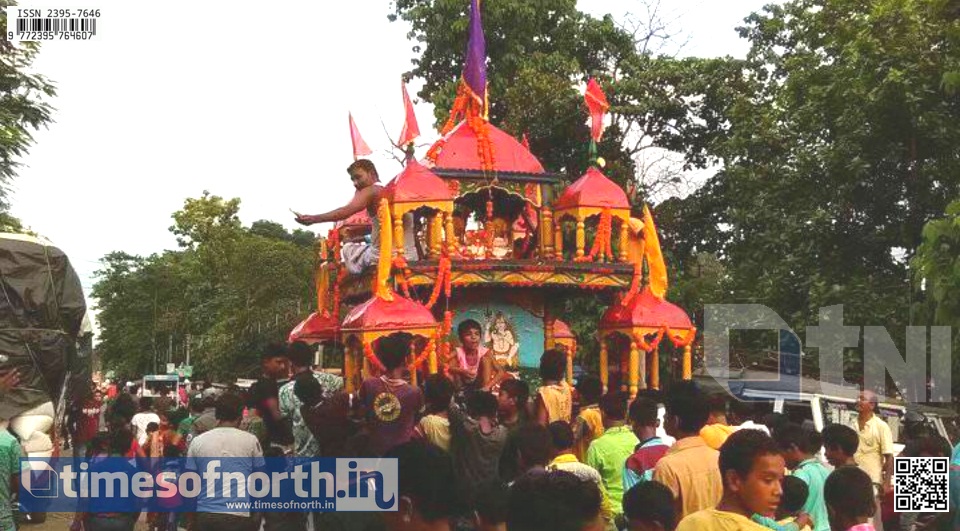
(598, 105)
(360, 148)
(410, 128)
(525, 142)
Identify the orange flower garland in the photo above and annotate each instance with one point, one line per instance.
(341, 275)
(372, 358)
(400, 264)
(418, 361)
(442, 282)
(634, 285)
(601, 242)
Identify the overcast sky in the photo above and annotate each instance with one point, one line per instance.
(244, 99)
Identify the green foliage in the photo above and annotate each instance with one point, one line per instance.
(835, 141)
(23, 104)
(231, 289)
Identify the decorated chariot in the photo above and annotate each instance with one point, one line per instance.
(479, 229)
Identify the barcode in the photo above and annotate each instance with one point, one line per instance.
(56, 25)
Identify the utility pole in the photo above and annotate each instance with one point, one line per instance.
(169, 352)
(188, 350)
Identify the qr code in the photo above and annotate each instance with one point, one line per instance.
(921, 484)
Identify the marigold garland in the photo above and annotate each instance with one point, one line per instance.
(334, 248)
(466, 108)
(601, 242)
(372, 358)
(634, 285)
(418, 361)
(442, 281)
(403, 278)
(341, 275)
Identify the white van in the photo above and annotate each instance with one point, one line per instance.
(821, 404)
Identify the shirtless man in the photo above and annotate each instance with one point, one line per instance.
(365, 179)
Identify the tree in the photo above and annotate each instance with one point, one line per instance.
(937, 270)
(23, 104)
(224, 294)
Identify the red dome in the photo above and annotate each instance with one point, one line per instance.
(360, 219)
(459, 152)
(315, 328)
(379, 314)
(647, 311)
(416, 184)
(562, 331)
(594, 189)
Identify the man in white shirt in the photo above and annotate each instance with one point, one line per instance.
(243, 453)
(141, 420)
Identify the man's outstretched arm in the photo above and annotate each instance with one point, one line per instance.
(360, 201)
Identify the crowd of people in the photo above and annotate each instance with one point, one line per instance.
(478, 450)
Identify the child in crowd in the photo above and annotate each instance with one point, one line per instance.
(799, 449)
(589, 424)
(555, 501)
(644, 422)
(476, 443)
(434, 427)
(849, 495)
(648, 506)
(839, 444)
(555, 396)
(512, 400)
(795, 493)
(610, 451)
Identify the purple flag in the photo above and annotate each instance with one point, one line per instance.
(475, 66)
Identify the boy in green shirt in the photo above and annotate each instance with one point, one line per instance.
(609, 452)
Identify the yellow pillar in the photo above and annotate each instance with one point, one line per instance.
(367, 372)
(570, 366)
(349, 368)
(546, 233)
(432, 356)
(413, 372)
(604, 368)
(624, 239)
(634, 368)
(558, 238)
(581, 237)
(436, 235)
(687, 363)
(451, 235)
(398, 233)
(548, 341)
(655, 369)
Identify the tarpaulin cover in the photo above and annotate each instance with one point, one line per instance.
(41, 314)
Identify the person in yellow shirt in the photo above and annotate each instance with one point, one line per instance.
(752, 469)
(589, 423)
(717, 429)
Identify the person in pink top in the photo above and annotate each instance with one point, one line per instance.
(472, 367)
(849, 495)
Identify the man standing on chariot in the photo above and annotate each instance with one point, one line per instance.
(357, 258)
